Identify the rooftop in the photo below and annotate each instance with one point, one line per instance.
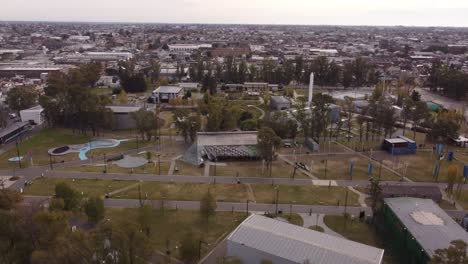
(298, 244)
(427, 222)
(168, 89)
(243, 138)
(123, 109)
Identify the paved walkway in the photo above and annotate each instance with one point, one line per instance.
(362, 197)
(317, 219)
(173, 165)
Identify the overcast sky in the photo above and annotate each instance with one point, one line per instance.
(315, 12)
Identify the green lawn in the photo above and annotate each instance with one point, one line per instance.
(358, 231)
(421, 166)
(188, 191)
(174, 224)
(46, 186)
(40, 143)
(149, 168)
(317, 228)
(280, 169)
(338, 167)
(188, 169)
(304, 195)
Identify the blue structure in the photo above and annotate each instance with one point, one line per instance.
(399, 145)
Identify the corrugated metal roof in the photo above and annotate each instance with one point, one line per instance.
(430, 237)
(168, 89)
(299, 244)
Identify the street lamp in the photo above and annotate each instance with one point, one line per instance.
(276, 200)
(247, 205)
(18, 154)
(159, 164)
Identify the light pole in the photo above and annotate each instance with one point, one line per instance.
(276, 200)
(105, 163)
(159, 164)
(247, 206)
(18, 154)
(50, 162)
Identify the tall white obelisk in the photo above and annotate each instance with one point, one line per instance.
(311, 89)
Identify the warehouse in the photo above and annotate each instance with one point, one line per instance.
(418, 227)
(261, 238)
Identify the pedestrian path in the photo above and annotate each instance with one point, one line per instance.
(317, 220)
(362, 197)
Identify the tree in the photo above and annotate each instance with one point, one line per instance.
(21, 97)
(91, 73)
(268, 141)
(349, 109)
(187, 124)
(94, 209)
(70, 197)
(123, 97)
(375, 191)
(145, 218)
(408, 107)
(56, 204)
(420, 113)
(456, 253)
(207, 205)
(452, 172)
(415, 96)
(146, 123)
(444, 127)
(189, 248)
(9, 198)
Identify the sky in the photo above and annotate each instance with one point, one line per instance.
(303, 12)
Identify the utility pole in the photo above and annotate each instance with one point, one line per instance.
(18, 154)
(50, 162)
(159, 164)
(277, 199)
(105, 163)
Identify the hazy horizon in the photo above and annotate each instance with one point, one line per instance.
(272, 12)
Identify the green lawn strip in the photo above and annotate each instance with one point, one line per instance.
(40, 143)
(358, 231)
(174, 224)
(421, 166)
(188, 169)
(46, 186)
(339, 168)
(317, 228)
(188, 191)
(280, 169)
(317, 195)
(149, 168)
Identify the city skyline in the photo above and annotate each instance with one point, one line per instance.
(295, 12)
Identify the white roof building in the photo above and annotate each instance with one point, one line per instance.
(261, 238)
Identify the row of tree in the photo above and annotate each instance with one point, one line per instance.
(452, 80)
(358, 72)
(69, 102)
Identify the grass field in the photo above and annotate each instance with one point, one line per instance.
(359, 231)
(174, 224)
(338, 167)
(195, 191)
(188, 191)
(149, 168)
(40, 143)
(304, 195)
(421, 167)
(46, 186)
(463, 199)
(188, 169)
(280, 169)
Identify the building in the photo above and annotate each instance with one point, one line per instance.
(165, 93)
(217, 146)
(30, 71)
(188, 47)
(109, 81)
(88, 57)
(122, 118)
(260, 238)
(11, 132)
(426, 192)
(279, 103)
(33, 115)
(399, 145)
(189, 86)
(418, 227)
